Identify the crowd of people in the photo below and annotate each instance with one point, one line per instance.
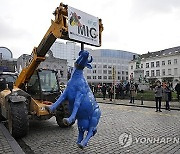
(166, 91)
(122, 90)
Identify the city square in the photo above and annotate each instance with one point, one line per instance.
(141, 123)
(94, 77)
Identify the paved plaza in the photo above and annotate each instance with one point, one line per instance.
(122, 129)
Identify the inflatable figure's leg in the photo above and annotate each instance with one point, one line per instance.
(68, 121)
(83, 125)
(57, 103)
(80, 136)
(92, 127)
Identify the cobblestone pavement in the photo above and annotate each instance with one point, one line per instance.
(8, 144)
(4, 145)
(140, 103)
(122, 129)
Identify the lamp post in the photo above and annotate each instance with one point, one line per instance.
(114, 79)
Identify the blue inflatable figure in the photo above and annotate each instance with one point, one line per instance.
(82, 104)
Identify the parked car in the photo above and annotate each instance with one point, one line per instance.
(9, 77)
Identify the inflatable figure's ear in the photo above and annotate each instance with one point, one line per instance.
(80, 52)
(90, 60)
(89, 66)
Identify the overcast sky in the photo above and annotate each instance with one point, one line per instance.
(131, 25)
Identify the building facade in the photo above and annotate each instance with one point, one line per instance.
(68, 51)
(104, 62)
(162, 65)
(51, 62)
(7, 62)
(108, 64)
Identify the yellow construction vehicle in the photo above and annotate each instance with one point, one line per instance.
(34, 88)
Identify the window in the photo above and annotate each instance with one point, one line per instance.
(175, 71)
(157, 72)
(94, 66)
(88, 77)
(99, 71)
(122, 72)
(157, 64)
(152, 64)
(126, 73)
(169, 71)
(175, 61)
(119, 77)
(109, 66)
(109, 72)
(132, 67)
(163, 63)
(104, 66)
(147, 65)
(141, 65)
(94, 77)
(99, 66)
(110, 77)
(119, 72)
(152, 73)
(94, 71)
(99, 77)
(169, 62)
(104, 71)
(105, 77)
(147, 73)
(163, 72)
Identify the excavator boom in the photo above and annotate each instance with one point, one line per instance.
(58, 29)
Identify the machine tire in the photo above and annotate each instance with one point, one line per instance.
(1, 117)
(62, 112)
(18, 123)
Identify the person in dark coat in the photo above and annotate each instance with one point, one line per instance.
(132, 93)
(167, 96)
(111, 92)
(103, 89)
(177, 88)
(158, 95)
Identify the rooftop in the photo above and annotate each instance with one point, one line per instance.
(165, 52)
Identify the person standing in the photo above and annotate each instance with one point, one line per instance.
(158, 95)
(103, 89)
(132, 93)
(177, 88)
(111, 92)
(167, 96)
(136, 86)
(117, 91)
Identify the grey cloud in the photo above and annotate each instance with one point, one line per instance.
(7, 31)
(149, 7)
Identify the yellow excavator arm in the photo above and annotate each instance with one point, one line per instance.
(58, 29)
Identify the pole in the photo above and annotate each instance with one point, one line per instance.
(82, 46)
(114, 91)
(113, 75)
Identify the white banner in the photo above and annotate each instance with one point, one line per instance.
(83, 27)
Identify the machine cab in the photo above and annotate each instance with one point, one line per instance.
(44, 85)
